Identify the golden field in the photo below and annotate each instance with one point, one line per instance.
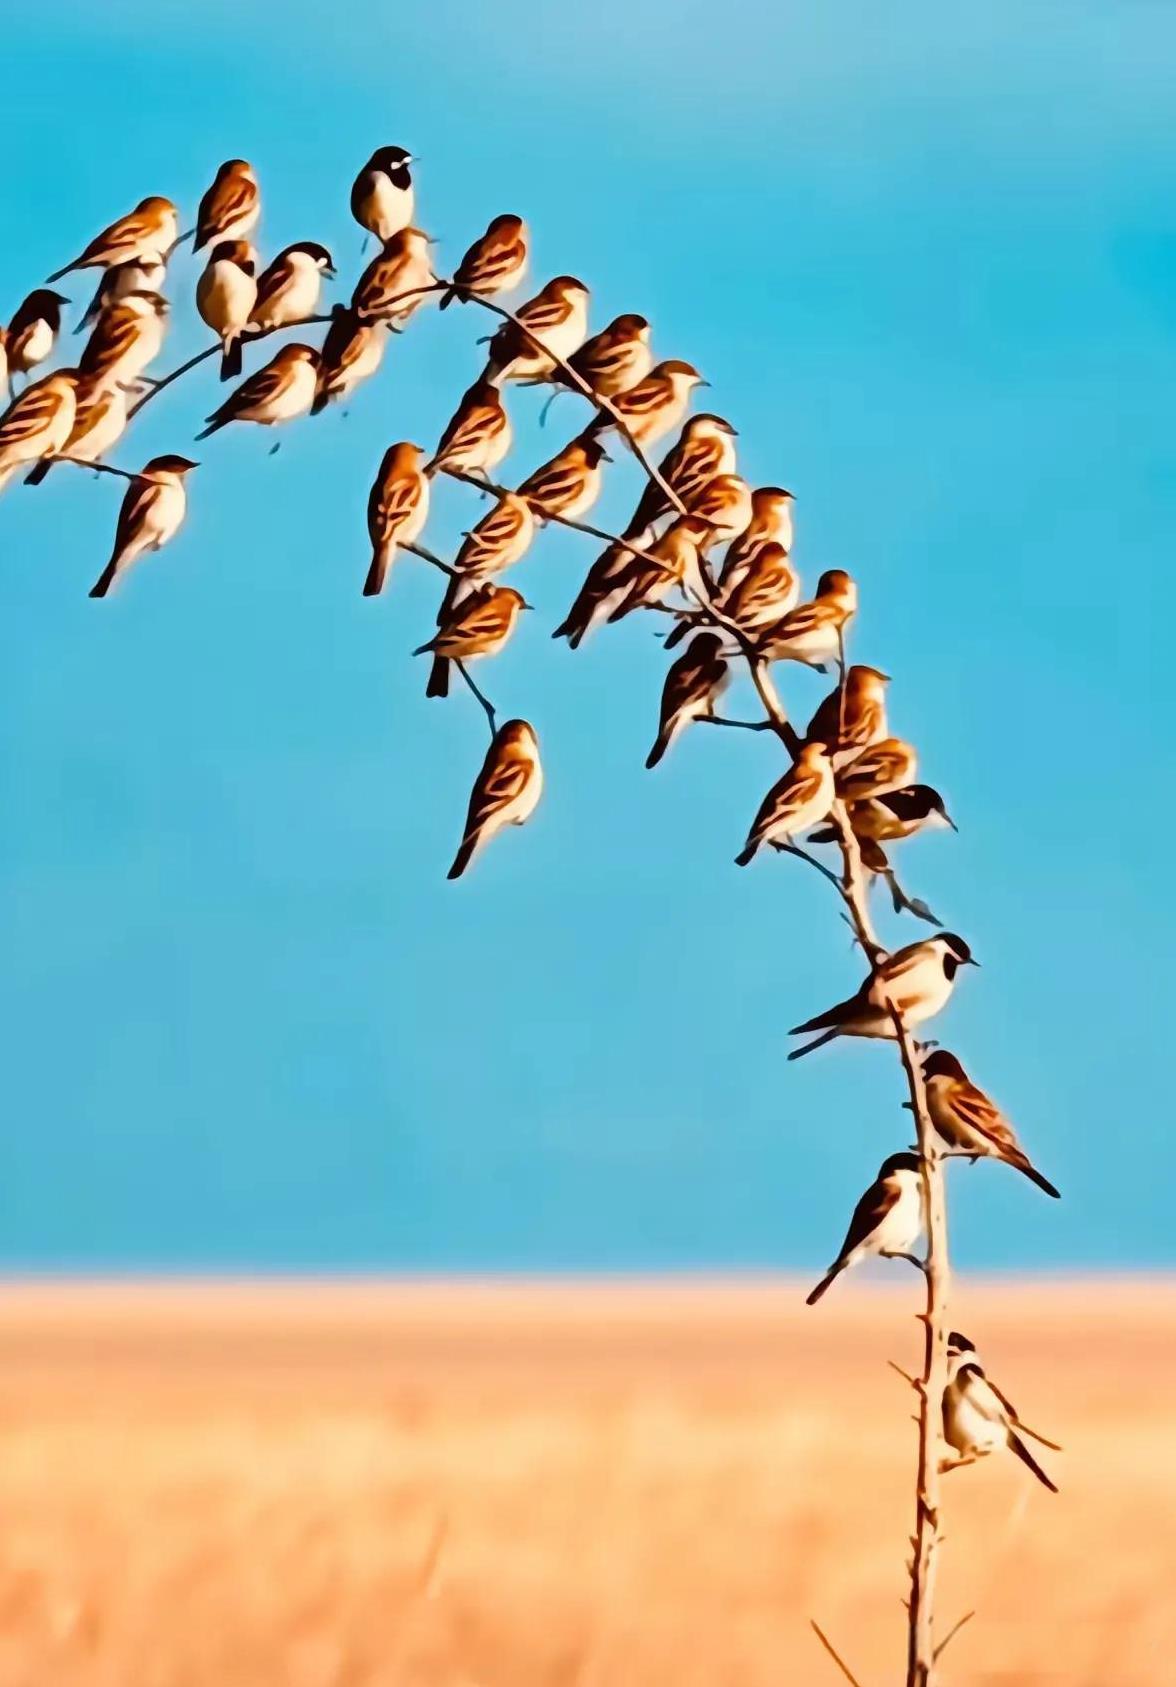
(630, 1485)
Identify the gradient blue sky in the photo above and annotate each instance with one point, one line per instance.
(927, 256)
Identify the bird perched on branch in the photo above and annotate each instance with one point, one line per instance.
(605, 585)
(615, 359)
(495, 263)
(478, 434)
(795, 803)
(279, 392)
(655, 406)
(812, 633)
(671, 561)
(499, 540)
(887, 1222)
(506, 791)
(352, 352)
(226, 295)
(969, 1121)
(693, 686)
(771, 522)
(126, 339)
(724, 503)
(397, 509)
(231, 208)
(37, 424)
(153, 509)
(140, 275)
(760, 595)
(888, 764)
(397, 282)
(917, 981)
(100, 420)
(850, 721)
(33, 331)
(289, 290)
(977, 1417)
(382, 193)
(702, 450)
(548, 327)
(149, 231)
(569, 484)
(475, 624)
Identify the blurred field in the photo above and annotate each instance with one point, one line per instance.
(617, 1486)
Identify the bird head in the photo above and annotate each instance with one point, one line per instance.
(941, 1063)
(391, 158)
(708, 426)
(905, 1162)
(955, 945)
(318, 254)
(156, 206)
(958, 1345)
(683, 376)
(169, 464)
(565, 287)
(835, 583)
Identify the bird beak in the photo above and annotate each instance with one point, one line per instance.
(526, 605)
(703, 383)
(329, 269)
(972, 961)
(949, 820)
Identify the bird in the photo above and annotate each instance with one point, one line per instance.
(761, 594)
(352, 352)
(887, 764)
(615, 359)
(547, 330)
(36, 425)
(288, 290)
(226, 294)
(397, 509)
(604, 587)
(125, 339)
(152, 511)
(100, 419)
(138, 275)
(771, 523)
(232, 206)
(568, 485)
(283, 389)
(969, 1121)
(887, 1222)
(478, 434)
(475, 624)
(670, 561)
(898, 815)
(813, 632)
(382, 194)
(495, 263)
(398, 280)
(977, 1417)
(499, 540)
(724, 503)
(648, 411)
(916, 981)
(801, 799)
(853, 716)
(506, 791)
(705, 448)
(34, 328)
(149, 231)
(693, 685)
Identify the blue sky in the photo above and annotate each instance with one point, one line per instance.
(928, 259)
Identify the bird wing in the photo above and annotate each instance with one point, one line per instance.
(139, 497)
(806, 618)
(556, 483)
(540, 314)
(225, 201)
(272, 284)
(489, 260)
(25, 314)
(28, 416)
(390, 503)
(478, 616)
(503, 779)
(114, 334)
(126, 231)
(491, 536)
(692, 677)
(645, 399)
(981, 1115)
(873, 1207)
(601, 356)
(752, 595)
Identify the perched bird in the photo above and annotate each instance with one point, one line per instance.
(397, 282)
(812, 633)
(283, 389)
(693, 686)
(125, 339)
(978, 1419)
(702, 450)
(476, 624)
(888, 764)
(496, 262)
(801, 799)
(506, 791)
(398, 506)
(232, 206)
(382, 193)
(352, 351)
(478, 434)
(724, 503)
(916, 980)
(499, 540)
(898, 815)
(569, 484)
(37, 424)
(671, 561)
(100, 420)
(288, 291)
(549, 329)
(850, 722)
(152, 511)
(604, 587)
(651, 409)
(139, 275)
(771, 523)
(149, 231)
(887, 1222)
(33, 331)
(226, 295)
(969, 1121)
(615, 359)
(762, 593)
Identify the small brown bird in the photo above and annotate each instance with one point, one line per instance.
(605, 586)
(506, 791)
(140, 275)
(569, 484)
(476, 623)
(671, 561)
(499, 540)
(693, 686)
(352, 352)
(978, 1419)
(495, 263)
(916, 982)
(703, 450)
(478, 434)
(615, 359)
(795, 803)
(34, 328)
(851, 722)
(125, 339)
(37, 424)
(382, 193)
(397, 282)
(762, 593)
(232, 206)
(149, 231)
(887, 1222)
(969, 1121)
(812, 633)
(288, 291)
(283, 389)
(656, 405)
(549, 328)
(771, 524)
(724, 502)
(152, 512)
(886, 764)
(99, 422)
(226, 295)
(397, 509)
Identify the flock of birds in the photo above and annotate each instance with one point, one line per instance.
(702, 547)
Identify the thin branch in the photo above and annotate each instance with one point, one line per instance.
(213, 350)
(481, 696)
(950, 1636)
(743, 725)
(429, 557)
(98, 468)
(835, 1654)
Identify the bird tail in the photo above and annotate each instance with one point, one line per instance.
(826, 834)
(1031, 1172)
(214, 423)
(231, 359)
(677, 634)
(574, 624)
(377, 575)
(817, 1042)
(92, 311)
(660, 747)
(438, 686)
(464, 856)
(1017, 1446)
(106, 579)
(38, 472)
(448, 298)
(826, 1282)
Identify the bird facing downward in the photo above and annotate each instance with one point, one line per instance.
(283, 389)
(798, 801)
(692, 687)
(887, 1222)
(915, 981)
(978, 1419)
(152, 511)
(970, 1122)
(506, 791)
